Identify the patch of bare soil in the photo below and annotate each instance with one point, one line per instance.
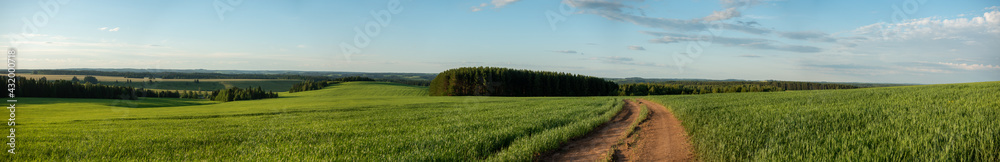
(660, 137)
(597, 144)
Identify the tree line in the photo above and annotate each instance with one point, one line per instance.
(316, 85)
(644, 89)
(402, 78)
(237, 94)
(178, 75)
(495, 81)
(785, 85)
(31, 87)
(309, 85)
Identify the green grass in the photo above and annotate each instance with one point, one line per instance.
(355, 121)
(954, 122)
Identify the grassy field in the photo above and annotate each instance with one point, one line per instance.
(954, 122)
(356, 121)
(377, 121)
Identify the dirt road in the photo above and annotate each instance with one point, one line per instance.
(658, 138)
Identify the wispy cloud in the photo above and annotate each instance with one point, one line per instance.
(755, 43)
(808, 35)
(495, 3)
(722, 15)
(627, 61)
(109, 29)
(934, 28)
(501, 3)
(970, 66)
(566, 51)
(478, 8)
(637, 48)
(749, 56)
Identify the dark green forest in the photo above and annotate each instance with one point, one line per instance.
(644, 89)
(316, 85)
(237, 94)
(70, 89)
(178, 75)
(495, 81)
(708, 86)
(309, 85)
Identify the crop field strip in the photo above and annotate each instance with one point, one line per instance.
(950, 122)
(337, 123)
(378, 121)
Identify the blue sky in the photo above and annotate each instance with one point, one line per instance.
(899, 41)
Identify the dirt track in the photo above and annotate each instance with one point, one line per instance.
(659, 138)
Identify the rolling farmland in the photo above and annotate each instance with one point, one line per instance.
(949, 122)
(351, 121)
(378, 121)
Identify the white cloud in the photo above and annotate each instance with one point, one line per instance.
(637, 48)
(808, 35)
(495, 3)
(754, 43)
(102, 28)
(113, 30)
(993, 8)
(501, 3)
(970, 66)
(566, 51)
(934, 28)
(627, 61)
(723, 15)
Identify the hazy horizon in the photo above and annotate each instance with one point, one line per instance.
(904, 41)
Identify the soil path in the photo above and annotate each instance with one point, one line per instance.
(661, 137)
(658, 138)
(595, 145)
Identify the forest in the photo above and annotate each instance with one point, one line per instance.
(495, 81)
(646, 89)
(786, 85)
(74, 89)
(178, 75)
(237, 94)
(316, 85)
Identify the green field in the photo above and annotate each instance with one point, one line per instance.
(367, 121)
(953, 122)
(378, 121)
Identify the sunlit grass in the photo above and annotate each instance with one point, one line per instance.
(954, 122)
(366, 121)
